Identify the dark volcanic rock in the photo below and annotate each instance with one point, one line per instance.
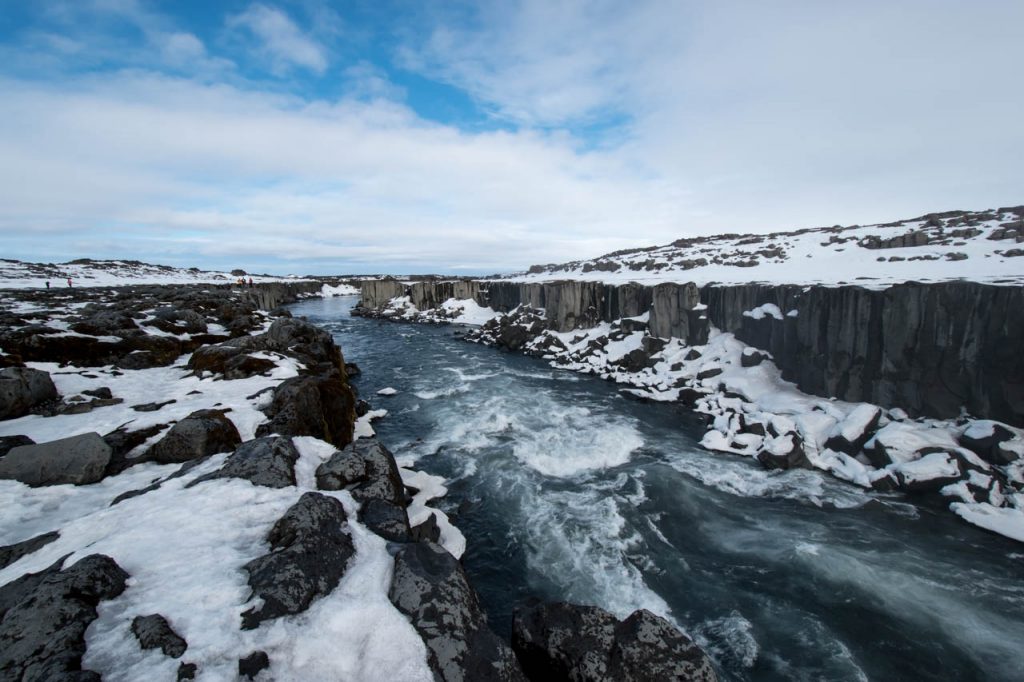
(253, 664)
(431, 588)
(387, 520)
(43, 618)
(202, 433)
(311, 548)
(22, 388)
(984, 439)
(587, 644)
(851, 435)
(269, 462)
(154, 632)
(7, 443)
(369, 467)
(785, 455)
(11, 553)
(426, 531)
(78, 460)
(318, 406)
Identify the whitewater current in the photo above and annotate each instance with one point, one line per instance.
(568, 490)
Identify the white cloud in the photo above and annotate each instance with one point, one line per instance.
(281, 41)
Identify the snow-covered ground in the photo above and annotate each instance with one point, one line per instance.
(983, 246)
(95, 273)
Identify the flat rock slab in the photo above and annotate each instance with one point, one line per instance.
(78, 460)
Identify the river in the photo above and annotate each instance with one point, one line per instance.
(567, 490)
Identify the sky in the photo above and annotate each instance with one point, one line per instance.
(378, 136)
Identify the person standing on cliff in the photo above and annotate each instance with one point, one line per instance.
(250, 282)
(69, 282)
(47, 284)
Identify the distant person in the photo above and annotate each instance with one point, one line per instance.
(69, 282)
(47, 284)
(250, 282)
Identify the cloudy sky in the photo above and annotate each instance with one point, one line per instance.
(374, 136)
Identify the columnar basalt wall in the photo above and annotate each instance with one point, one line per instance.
(931, 349)
(270, 295)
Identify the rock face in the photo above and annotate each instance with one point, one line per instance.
(269, 462)
(43, 618)
(673, 314)
(22, 388)
(587, 644)
(202, 433)
(318, 406)
(78, 460)
(928, 348)
(310, 550)
(431, 588)
(11, 553)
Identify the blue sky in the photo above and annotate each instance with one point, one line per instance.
(477, 137)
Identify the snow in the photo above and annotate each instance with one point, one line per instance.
(467, 311)
(328, 291)
(1003, 520)
(812, 257)
(387, 391)
(762, 311)
(112, 273)
(431, 487)
(856, 423)
(931, 466)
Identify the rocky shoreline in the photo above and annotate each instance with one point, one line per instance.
(192, 491)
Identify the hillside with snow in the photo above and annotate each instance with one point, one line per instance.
(87, 272)
(980, 246)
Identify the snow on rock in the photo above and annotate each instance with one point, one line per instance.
(762, 311)
(387, 391)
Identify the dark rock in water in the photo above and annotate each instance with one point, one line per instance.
(311, 548)
(268, 461)
(587, 644)
(154, 632)
(513, 337)
(428, 531)
(11, 553)
(7, 443)
(367, 465)
(43, 618)
(430, 586)
(102, 392)
(387, 520)
(984, 438)
(22, 388)
(362, 407)
(352, 370)
(789, 457)
(202, 433)
(187, 671)
(78, 460)
(253, 664)
(318, 406)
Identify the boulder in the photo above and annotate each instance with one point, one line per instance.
(310, 550)
(11, 553)
(851, 434)
(202, 433)
(387, 520)
(22, 388)
(428, 531)
(783, 452)
(253, 664)
(106, 323)
(431, 588)
(587, 644)
(154, 632)
(268, 461)
(930, 472)
(78, 460)
(44, 616)
(7, 443)
(318, 406)
(983, 437)
(368, 467)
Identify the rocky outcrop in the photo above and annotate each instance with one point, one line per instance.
(575, 643)
(77, 460)
(366, 469)
(154, 632)
(269, 462)
(202, 433)
(310, 550)
(43, 618)
(318, 406)
(431, 588)
(22, 389)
